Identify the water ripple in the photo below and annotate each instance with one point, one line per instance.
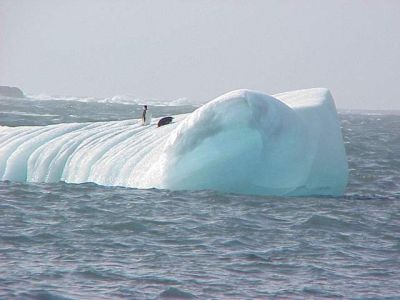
(84, 241)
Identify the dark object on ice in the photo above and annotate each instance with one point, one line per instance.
(144, 114)
(164, 121)
(9, 91)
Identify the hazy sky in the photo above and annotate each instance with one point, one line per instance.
(201, 49)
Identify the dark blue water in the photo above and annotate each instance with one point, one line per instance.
(68, 241)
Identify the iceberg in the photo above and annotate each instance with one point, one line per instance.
(289, 144)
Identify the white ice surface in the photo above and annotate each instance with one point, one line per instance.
(242, 142)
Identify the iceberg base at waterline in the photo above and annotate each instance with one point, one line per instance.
(242, 142)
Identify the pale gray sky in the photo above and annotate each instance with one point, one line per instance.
(201, 49)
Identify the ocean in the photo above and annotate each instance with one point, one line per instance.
(86, 241)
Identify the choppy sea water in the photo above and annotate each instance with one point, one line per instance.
(85, 241)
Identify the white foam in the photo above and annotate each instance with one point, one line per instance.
(117, 99)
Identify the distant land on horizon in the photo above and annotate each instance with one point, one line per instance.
(16, 92)
(11, 91)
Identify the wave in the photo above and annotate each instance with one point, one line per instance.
(117, 99)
